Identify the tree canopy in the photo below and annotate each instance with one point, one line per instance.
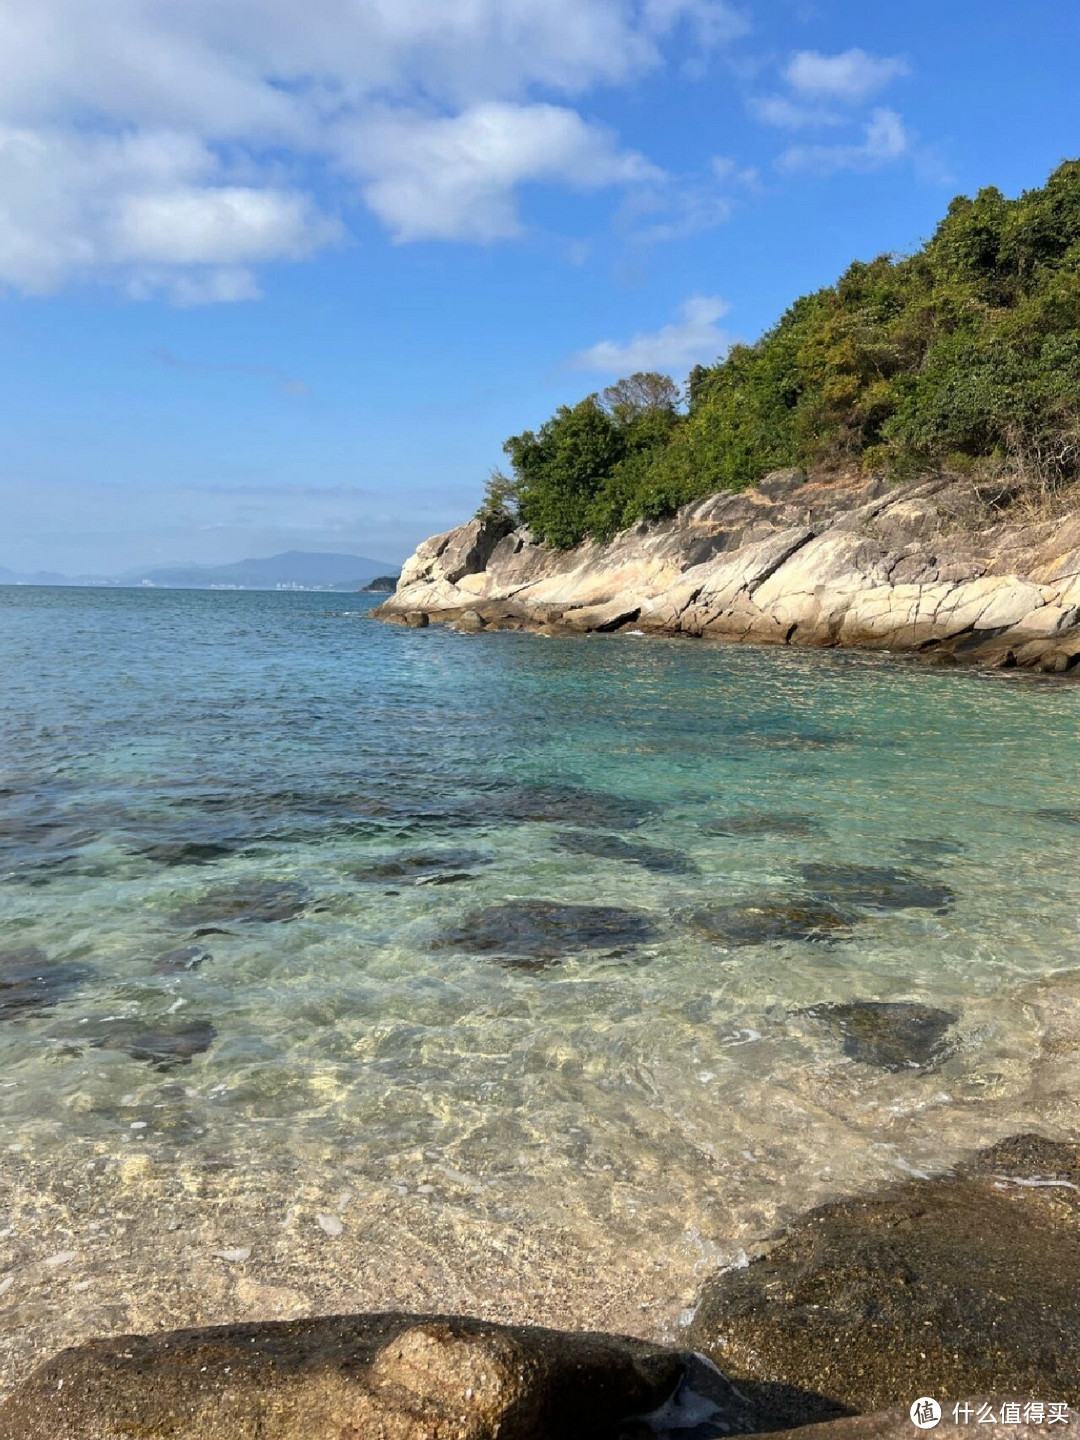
(965, 355)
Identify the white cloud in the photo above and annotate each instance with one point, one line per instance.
(788, 114)
(885, 139)
(141, 137)
(455, 178)
(850, 77)
(695, 338)
(140, 207)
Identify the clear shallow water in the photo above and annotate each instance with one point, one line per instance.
(266, 768)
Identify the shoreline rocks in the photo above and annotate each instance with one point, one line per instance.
(927, 568)
(962, 1287)
(953, 1286)
(371, 1377)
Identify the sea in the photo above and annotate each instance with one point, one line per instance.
(346, 966)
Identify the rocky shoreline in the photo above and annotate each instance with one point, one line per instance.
(960, 1287)
(929, 568)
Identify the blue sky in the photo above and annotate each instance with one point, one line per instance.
(280, 275)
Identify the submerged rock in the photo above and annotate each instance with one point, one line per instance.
(163, 1045)
(756, 825)
(877, 887)
(30, 981)
(423, 867)
(959, 1286)
(186, 852)
(180, 961)
(543, 930)
(561, 804)
(374, 1377)
(246, 903)
(1059, 816)
(931, 848)
(765, 921)
(653, 858)
(891, 1034)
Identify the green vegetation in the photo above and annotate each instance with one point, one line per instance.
(965, 355)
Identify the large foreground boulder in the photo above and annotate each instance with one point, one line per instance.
(959, 1286)
(369, 1377)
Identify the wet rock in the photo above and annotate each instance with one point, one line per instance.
(756, 825)
(963, 1285)
(180, 961)
(248, 903)
(801, 740)
(30, 981)
(471, 622)
(422, 867)
(542, 930)
(931, 848)
(186, 852)
(395, 1377)
(769, 921)
(416, 619)
(565, 804)
(891, 1034)
(163, 1046)
(877, 887)
(1059, 816)
(653, 858)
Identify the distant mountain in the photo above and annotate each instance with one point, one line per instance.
(37, 577)
(295, 569)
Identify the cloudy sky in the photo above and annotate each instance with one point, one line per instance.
(284, 275)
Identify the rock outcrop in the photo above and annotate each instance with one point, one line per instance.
(961, 1287)
(928, 567)
(958, 1286)
(373, 1377)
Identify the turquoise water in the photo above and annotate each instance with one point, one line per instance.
(265, 848)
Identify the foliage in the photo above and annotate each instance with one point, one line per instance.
(965, 354)
(500, 500)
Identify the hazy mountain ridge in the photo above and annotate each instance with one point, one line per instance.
(308, 570)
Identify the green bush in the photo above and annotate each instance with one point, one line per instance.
(965, 354)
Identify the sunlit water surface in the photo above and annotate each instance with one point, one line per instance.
(211, 809)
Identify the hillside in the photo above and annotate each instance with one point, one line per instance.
(964, 356)
(299, 568)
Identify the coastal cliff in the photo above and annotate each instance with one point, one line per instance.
(930, 567)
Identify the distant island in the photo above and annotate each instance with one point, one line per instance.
(382, 584)
(292, 570)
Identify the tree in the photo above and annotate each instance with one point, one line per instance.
(965, 353)
(643, 393)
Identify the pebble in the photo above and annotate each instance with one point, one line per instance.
(331, 1224)
(242, 1252)
(60, 1258)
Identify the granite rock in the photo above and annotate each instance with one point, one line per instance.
(927, 567)
(961, 1285)
(367, 1377)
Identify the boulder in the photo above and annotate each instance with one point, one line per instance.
(963, 1285)
(370, 1377)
